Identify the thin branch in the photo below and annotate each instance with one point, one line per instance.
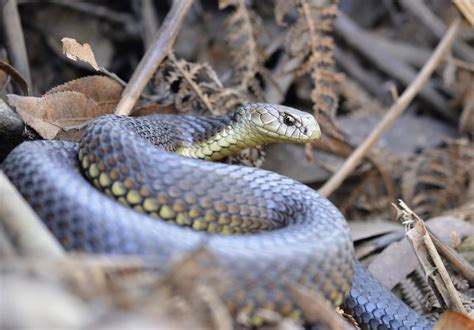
(429, 259)
(460, 264)
(366, 44)
(15, 40)
(23, 226)
(196, 89)
(160, 48)
(394, 112)
(149, 23)
(437, 27)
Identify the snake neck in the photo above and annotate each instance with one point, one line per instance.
(226, 141)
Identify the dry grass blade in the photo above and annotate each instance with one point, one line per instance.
(316, 309)
(12, 72)
(185, 293)
(430, 260)
(467, 9)
(24, 228)
(460, 264)
(161, 46)
(14, 38)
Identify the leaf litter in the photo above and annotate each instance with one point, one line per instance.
(434, 176)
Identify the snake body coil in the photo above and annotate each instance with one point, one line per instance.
(296, 235)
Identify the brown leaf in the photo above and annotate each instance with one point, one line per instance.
(74, 51)
(52, 112)
(105, 91)
(454, 321)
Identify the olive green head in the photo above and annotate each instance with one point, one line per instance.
(277, 123)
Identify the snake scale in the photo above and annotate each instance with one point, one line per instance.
(284, 231)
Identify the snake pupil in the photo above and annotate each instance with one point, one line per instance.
(289, 121)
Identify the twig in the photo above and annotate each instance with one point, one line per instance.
(149, 24)
(219, 315)
(365, 43)
(408, 53)
(437, 27)
(349, 64)
(466, 8)
(316, 309)
(460, 264)
(395, 110)
(161, 46)
(100, 11)
(12, 72)
(23, 226)
(196, 89)
(429, 259)
(15, 40)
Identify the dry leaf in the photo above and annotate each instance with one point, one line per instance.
(74, 51)
(454, 321)
(50, 113)
(105, 91)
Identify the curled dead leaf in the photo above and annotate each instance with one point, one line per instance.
(454, 321)
(105, 91)
(49, 114)
(75, 51)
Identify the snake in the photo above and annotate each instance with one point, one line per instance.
(150, 186)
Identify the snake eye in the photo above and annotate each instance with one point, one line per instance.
(289, 121)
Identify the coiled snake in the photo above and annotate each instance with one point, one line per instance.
(293, 234)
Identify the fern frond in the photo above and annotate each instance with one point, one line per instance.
(309, 40)
(192, 86)
(241, 36)
(438, 179)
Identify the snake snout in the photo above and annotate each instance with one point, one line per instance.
(312, 131)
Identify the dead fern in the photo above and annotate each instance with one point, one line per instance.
(194, 87)
(310, 42)
(439, 179)
(417, 293)
(372, 194)
(242, 27)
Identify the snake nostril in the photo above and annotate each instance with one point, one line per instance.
(305, 131)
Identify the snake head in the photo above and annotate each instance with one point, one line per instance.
(277, 123)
